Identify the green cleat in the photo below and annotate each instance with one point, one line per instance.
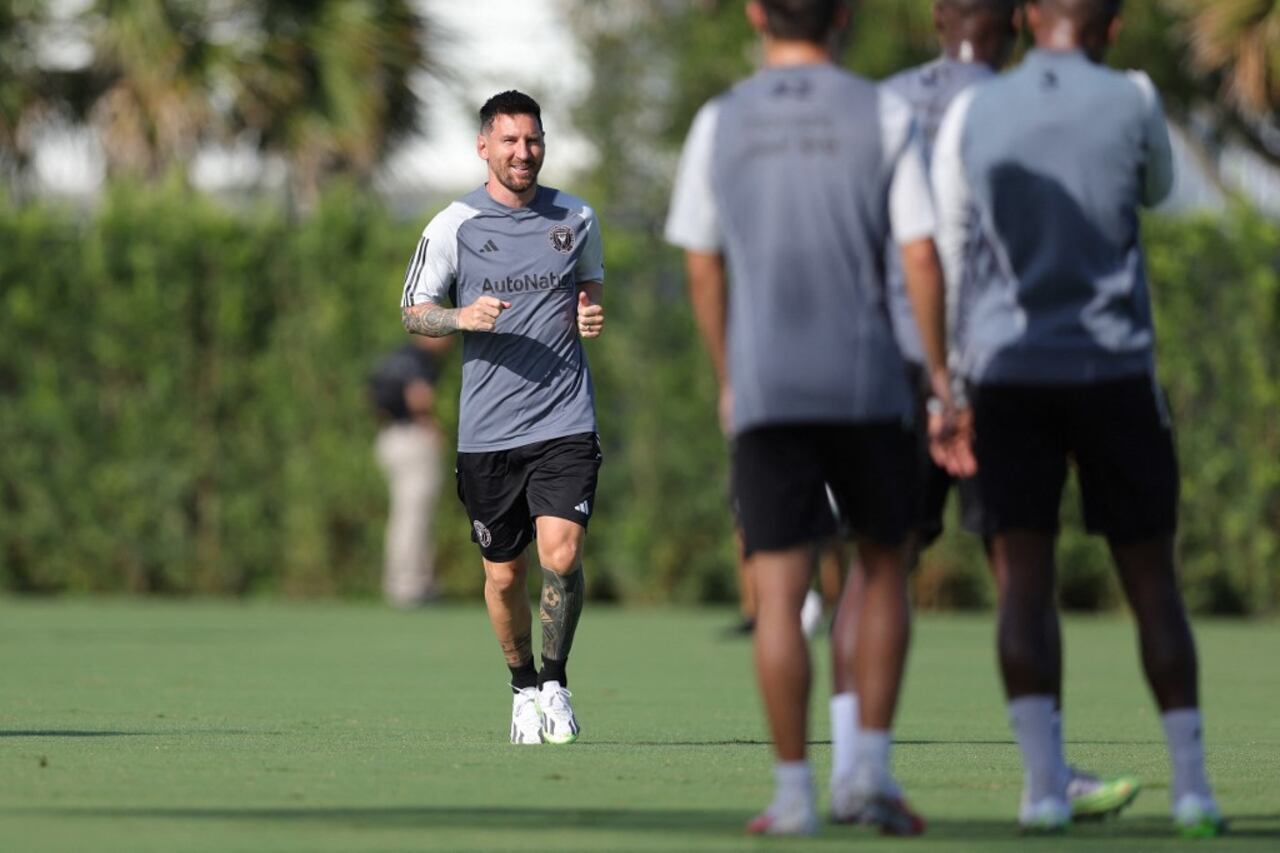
(1097, 799)
(1198, 817)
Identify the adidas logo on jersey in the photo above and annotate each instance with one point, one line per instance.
(584, 507)
(489, 246)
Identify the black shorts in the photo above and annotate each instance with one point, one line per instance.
(1118, 435)
(505, 490)
(779, 474)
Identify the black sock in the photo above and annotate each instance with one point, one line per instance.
(553, 670)
(524, 675)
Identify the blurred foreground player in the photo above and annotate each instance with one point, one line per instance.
(1048, 166)
(789, 185)
(977, 37)
(524, 264)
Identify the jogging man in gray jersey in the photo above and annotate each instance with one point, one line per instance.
(524, 264)
(1046, 168)
(789, 186)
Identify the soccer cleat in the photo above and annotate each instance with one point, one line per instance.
(559, 725)
(884, 808)
(1197, 816)
(794, 818)
(1046, 816)
(1092, 798)
(526, 725)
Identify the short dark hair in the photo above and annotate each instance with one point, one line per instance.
(508, 103)
(800, 20)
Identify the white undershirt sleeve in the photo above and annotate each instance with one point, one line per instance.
(1159, 167)
(954, 198)
(911, 215)
(693, 222)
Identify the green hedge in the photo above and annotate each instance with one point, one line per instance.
(182, 410)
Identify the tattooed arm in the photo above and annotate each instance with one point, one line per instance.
(429, 320)
(435, 321)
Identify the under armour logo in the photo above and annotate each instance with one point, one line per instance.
(799, 88)
(489, 246)
(1049, 80)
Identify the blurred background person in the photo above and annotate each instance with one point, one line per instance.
(402, 389)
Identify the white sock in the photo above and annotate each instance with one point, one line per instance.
(1182, 732)
(1044, 767)
(794, 782)
(1059, 744)
(871, 758)
(844, 734)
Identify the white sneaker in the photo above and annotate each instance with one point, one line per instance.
(1047, 815)
(526, 725)
(811, 614)
(559, 725)
(1197, 816)
(794, 817)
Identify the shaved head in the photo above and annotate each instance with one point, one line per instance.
(977, 30)
(968, 7)
(1084, 13)
(1088, 25)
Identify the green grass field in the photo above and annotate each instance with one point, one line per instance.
(149, 726)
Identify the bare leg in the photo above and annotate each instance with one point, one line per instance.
(781, 653)
(1168, 649)
(506, 598)
(1028, 634)
(844, 630)
(746, 582)
(883, 634)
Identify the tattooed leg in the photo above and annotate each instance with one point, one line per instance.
(561, 606)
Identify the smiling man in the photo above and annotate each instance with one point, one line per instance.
(524, 266)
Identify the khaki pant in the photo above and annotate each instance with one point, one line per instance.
(409, 455)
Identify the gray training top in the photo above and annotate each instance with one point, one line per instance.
(1049, 165)
(797, 175)
(526, 381)
(929, 89)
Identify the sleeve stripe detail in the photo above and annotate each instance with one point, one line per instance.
(411, 275)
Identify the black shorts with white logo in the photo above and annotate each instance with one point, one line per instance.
(779, 474)
(505, 490)
(1118, 435)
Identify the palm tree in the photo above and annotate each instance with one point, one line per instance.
(327, 85)
(1239, 40)
(154, 73)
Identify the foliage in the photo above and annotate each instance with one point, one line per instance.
(327, 87)
(184, 411)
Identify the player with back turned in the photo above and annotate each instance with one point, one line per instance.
(789, 186)
(1046, 167)
(977, 37)
(524, 264)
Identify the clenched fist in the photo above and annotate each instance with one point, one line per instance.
(482, 315)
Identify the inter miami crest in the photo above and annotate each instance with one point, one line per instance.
(482, 534)
(562, 239)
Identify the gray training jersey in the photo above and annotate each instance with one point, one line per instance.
(798, 175)
(928, 89)
(526, 381)
(1050, 164)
